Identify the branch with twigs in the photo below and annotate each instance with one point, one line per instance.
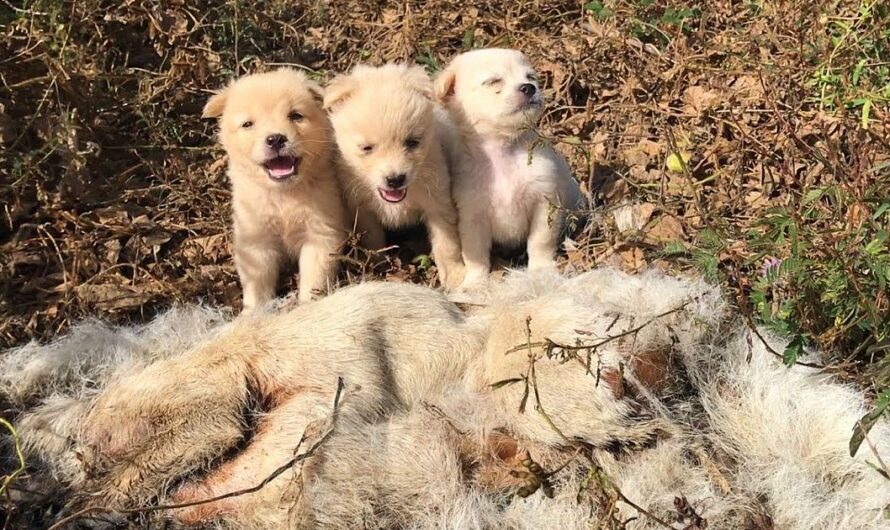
(531, 387)
(747, 316)
(253, 489)
(550, 346)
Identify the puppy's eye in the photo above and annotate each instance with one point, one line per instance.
(412, 143)
(247, 125)
(493, 81)
(367, 148)
(295, 116)
(532, 77)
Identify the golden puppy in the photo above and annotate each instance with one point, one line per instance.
(286, 200)
(508, 187)
(395, 171)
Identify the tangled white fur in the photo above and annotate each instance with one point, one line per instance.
(689, 406)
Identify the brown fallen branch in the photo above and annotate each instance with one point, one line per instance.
(275, 474)
(549, 345)
(532, 380)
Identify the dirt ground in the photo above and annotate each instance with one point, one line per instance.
(707, 119)
(113, 192)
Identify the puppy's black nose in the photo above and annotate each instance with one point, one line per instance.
(276, 140)
(395, 181)
(528, 89)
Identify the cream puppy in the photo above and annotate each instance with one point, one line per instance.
(286, 200)
(508, 187)
(395, 172)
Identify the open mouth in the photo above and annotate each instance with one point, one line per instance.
(282, 167)
(393, 195)
(530, 104)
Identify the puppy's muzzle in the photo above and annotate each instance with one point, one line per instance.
(396, 181)
(530, 96)
(395, 190)
(281, 164)
(528, 89)
(276, 141)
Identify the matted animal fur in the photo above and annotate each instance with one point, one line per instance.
(286, 200)
(392, 140)
(510, 188)
(678, 401)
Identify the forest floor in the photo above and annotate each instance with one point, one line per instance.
(747, 140)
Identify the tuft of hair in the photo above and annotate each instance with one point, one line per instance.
(344, 86)
(94, 351)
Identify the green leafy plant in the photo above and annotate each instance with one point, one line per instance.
(861, 38)
(428, 60)
(599, 11)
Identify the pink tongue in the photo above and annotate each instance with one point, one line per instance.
(393, 195)
(280, 166)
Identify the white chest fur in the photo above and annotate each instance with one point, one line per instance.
(510, 179)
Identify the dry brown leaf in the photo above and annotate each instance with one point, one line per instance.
(211, 247)
(699, 99)
(112, 297)
(642, 154)
(747, 87)
(665, 229)
(111, 215)
(156, 237)
(632, 260)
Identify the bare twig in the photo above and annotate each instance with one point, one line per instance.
(17, 443)
(539, 408)
(550, 345)
(874, 449)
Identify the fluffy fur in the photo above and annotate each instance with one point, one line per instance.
(509, 188)
(391, 138)
(286, 200)
(430, 435)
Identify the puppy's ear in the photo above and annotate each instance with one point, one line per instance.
(444, 84)
(216, 104)
(417, 79)
(338, 90)
(316, 91)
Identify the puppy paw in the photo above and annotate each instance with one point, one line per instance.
(545, 265)
(451, 275)
(472, 293)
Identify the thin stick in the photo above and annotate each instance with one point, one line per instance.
(539, 407)
(874, 449)
(7, 480)
(584, 347)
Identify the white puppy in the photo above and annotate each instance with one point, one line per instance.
(286, 200)
(508, 187)
(396, 174)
